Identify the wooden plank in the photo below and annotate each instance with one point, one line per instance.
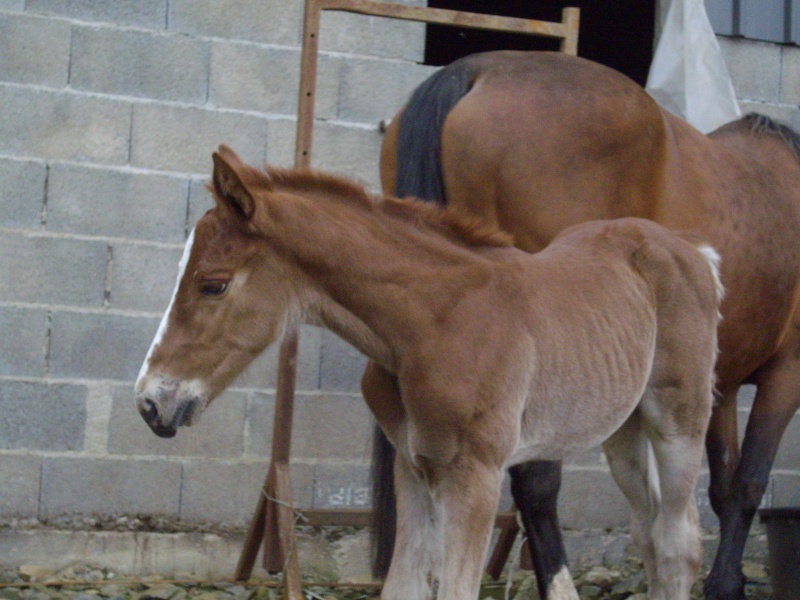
(443, 16)
(362, 517)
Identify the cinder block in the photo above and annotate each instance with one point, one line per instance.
(143, 277)
(200, 200)
(375, 36)
(21, 193)
(779, 112)
(754, 67)
(788, 456)
(219, 433)
(349, 151)
(34, 50)
(262, 372)
(342, 486)
(281, 143)
(19, 486)
(182, 139)
(790, 74)
(396, 80)
(104, 202)
(260, 421)
(228, 493)
(99, 346)
(52, 270)
(590, 499)
(324, 426)
(786, 489)
(12, 5)
(746, 395)
(252, 20)
(92, 486)
(38, 416)
(22, 348)
(140, 13)
(341, 365)
(252, 77)
(64, 125)
(266, 79)
(139, 63)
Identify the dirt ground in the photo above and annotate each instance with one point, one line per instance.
(83, 582)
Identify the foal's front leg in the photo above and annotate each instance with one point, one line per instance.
(417, 557)
(468, 493)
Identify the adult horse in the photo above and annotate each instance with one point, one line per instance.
(536, 142)
(623, 308)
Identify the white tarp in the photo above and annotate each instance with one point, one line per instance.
(688, 76)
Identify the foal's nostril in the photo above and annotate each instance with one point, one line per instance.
(149, 411)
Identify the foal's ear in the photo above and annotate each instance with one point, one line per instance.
(229, 181)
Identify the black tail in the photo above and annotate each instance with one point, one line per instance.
(419, 173)
(384, 515)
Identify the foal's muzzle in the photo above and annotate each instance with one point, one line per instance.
(162, 425)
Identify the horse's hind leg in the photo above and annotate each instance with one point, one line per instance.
(675, 533)
(660, 488)
(627, 453)
(777, 399)
(535, 486)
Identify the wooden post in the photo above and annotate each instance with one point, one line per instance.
(273, 521)
(570, 19)
(274, 513)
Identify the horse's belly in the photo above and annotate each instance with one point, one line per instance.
(558, 438)
(578, 407)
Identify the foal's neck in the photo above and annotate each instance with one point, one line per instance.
(376, 279)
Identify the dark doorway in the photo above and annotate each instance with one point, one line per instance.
(617, 33)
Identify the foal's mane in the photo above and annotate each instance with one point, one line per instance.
(761, 124)
(464, 227)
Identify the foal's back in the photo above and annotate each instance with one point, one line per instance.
(616, 308)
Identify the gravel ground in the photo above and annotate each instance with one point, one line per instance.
(84, 582)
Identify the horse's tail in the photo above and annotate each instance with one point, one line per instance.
(419, 173)
(384, 510)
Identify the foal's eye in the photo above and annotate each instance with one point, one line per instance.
(213, 288)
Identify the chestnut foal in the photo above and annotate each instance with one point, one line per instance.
(608, 336)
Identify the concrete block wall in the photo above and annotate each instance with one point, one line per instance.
(766, 77)
(111, 110)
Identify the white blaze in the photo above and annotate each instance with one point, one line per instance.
(162, 327)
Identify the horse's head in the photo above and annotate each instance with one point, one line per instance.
(224, 310)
